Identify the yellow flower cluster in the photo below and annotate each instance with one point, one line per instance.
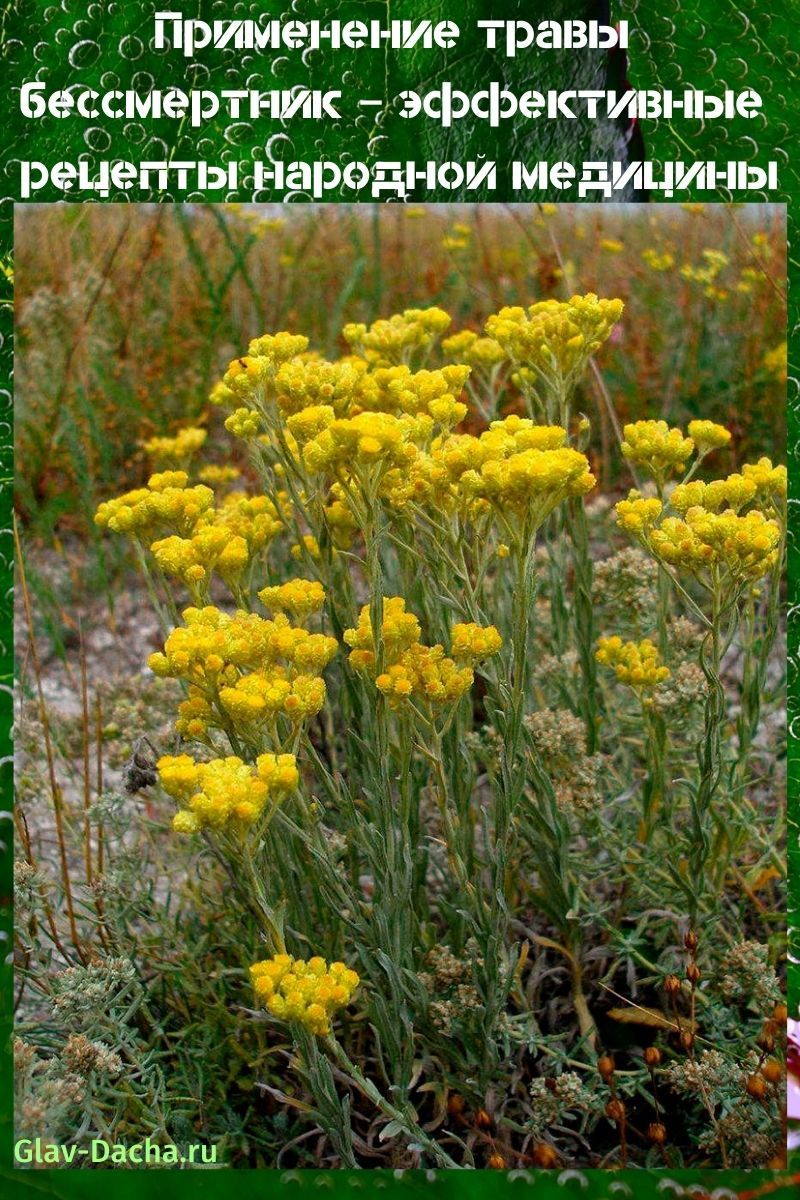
(305, 383)
(707, 272)
(167, 503)
(711, 532)
(243, 668)
(399, 631)
(663, 451)
(653, 445)
(515, 467)
(638, 514)
(379, 429)
(254, 518)
(363, 440)
(776, 362)
(192, 559)
(200, 538)
(339, 518)
(253, 374)
(397, 339)
(225, 791)
(197, 537)
(746, 546)
(211, 640)
(178, 449)
(411, 670)
(707, 435)
(554, 337)
(299, 598)
(635, 663)
(217, 475)
(430, 393)
(480, 353)
(309, 992)
(473, 643)
(531, 483)
(771, 482)
(733, 492)
(658, 260)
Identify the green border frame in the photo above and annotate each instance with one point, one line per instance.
(675, 43)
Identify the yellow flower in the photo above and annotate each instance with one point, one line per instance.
(745, 546)
(399, 630)
(309, 546)
(480, 353)
(707, 436)
(167, 503)
(308, 422)
(472, 643)
(531, 482)
(306, 383)
(299, 597)
(212, 795)
(656, 261)
(177, 449)
(412, 670)
(555, 338)
(397, 339)
(217, 475)
(366, 439)
(733, 492)
(244, 668)
(210, 548)
(771, 482)
(638, 514)
(653, 445)
(635, 663)
(776, 362)
(310, 992)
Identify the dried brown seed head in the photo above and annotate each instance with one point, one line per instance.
(756, 1087)
(772, 1070)
(545, 1155)
(605, 1066)
(657, 1133)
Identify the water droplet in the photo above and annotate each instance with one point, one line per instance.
(131, 47)
(83, 54)
(97, 138)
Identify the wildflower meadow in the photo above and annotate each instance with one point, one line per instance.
(402, 699)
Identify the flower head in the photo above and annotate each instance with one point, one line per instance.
(225, 792)
(310, 992)
(656, 447)
(708, 436)
(555, 338)
(635, 663)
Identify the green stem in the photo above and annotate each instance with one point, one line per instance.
(402, 1117)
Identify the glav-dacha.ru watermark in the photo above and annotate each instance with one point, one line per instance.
(42, 1152)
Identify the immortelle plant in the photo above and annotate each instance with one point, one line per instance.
(366, 742)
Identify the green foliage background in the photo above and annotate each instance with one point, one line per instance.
(711, 44)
